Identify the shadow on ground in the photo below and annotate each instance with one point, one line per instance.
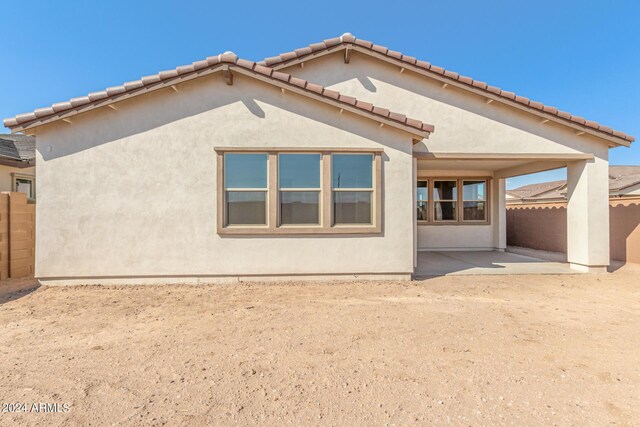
(14, 289)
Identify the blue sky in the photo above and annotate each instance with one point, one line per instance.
(581, 56)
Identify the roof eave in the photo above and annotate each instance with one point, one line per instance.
(67, 114)
(21, 164)
(614, 140)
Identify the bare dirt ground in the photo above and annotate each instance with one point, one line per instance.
(465, 350)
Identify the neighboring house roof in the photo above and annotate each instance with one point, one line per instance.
(223, 62)
(620, 177)
(533, 190)
(348, 41)
(17, 150)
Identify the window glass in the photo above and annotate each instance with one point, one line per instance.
(445, 194)
(474, 211)
(352, 207)
(474, 206)
(445, 190)
(299, 207)
(245, 170)
(445, 211)
(299, 170)
(352, 170)
(422, 198)
(473, 190)
(24, 186)
(246, 207)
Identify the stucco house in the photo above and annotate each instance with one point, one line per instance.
(17, 164)
(339, 159)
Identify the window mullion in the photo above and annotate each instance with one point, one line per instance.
(272, 192)
(377, 190)
(459, 207)
(326, 192)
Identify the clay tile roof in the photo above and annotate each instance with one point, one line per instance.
(348, 39)
(231, 60)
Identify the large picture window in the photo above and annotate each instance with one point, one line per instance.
(452, 200)
(289, 191)
(352, 183)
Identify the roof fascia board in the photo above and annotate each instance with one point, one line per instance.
(502, 156)
(537, 166)
(21, 164)
(451, 82)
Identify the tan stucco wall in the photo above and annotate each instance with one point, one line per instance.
(147, 203)
(464, 123)
(6, 181)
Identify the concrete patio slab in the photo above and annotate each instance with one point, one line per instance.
(442, 263)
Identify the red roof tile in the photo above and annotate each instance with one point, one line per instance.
(232, 61)
(348, 39)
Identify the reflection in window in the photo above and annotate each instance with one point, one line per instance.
(474, 205)
(245, 170)
(352, 207)
(299, 181)
(245, 183)
(25, 186)
(352, 182)
(352, 170)
(246, 207)
(422, 200)
(445, 194)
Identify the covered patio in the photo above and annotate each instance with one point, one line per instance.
(470, 189)
(446, 263)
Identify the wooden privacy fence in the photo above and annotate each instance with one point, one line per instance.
(544, 226)
(17, 236)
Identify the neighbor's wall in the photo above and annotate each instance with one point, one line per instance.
(6, 181)
(544, 226)
(146, 204)
(17, 238)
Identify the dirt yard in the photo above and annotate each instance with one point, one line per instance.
(524, 350)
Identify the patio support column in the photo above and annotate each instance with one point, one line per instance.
(499, 213)
(415, 213)
(588, 214)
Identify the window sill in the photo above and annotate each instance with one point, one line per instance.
(454, 223)
(299, 230)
